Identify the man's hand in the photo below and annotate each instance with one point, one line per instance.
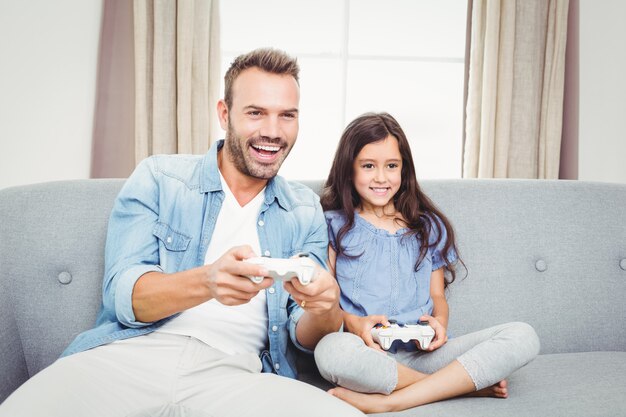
(227, 279)
(320, 300)
(319, 297)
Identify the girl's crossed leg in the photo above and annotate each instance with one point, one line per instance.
(476, 363)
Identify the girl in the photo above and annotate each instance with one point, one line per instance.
(389, 249)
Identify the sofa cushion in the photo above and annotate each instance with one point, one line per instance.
(564, 384)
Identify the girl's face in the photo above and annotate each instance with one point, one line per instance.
(377, 173)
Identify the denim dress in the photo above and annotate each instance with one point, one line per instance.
(378, 275)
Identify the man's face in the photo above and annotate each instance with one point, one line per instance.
(262, 123)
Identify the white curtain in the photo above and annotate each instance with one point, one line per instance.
(177, 76)
(515, 89)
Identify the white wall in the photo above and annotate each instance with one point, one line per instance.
(48, 68)
(602, 127)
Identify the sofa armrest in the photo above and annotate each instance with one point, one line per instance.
(13, 370)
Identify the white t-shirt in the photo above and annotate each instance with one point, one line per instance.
(231, 329)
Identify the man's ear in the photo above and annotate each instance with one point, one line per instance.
(222, 114)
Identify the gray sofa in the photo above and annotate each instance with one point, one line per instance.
(551, 253)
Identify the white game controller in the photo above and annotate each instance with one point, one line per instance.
(386, 335)
(285, 269)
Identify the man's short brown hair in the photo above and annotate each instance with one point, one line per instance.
(269, 60)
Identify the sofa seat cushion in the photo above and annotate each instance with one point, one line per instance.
(565, 384)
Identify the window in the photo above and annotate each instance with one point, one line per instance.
(405, 57)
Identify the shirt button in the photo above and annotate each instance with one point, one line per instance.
(169, 239)
(271, 290)
(261, 223)
(266, 253)
(277, 366)
(274, 328)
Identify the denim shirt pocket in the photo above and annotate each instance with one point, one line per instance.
(172, 246)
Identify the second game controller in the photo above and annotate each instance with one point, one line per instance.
(386, 335)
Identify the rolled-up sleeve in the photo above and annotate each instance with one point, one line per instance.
(316, 245)
(131, 249)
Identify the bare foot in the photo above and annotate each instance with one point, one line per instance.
(368, 403)
(499, 390)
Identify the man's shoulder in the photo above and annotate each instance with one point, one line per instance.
(181, 167)
(294, 192)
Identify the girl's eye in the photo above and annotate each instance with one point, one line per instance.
(368, 166)
(393, 165)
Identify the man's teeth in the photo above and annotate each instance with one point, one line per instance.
(267, 148)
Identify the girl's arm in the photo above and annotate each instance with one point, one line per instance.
(439, 319)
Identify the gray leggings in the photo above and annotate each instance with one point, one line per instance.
(488, 356)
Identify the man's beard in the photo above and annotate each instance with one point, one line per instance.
(246, 165)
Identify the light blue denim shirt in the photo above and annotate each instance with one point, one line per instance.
(163, 220)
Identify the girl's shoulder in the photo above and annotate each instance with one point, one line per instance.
(436, 228)
(336, 217)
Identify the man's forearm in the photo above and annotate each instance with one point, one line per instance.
(311, 327)
(157, 295)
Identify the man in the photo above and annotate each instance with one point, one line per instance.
(182, 330)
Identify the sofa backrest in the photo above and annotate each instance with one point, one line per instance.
(551, 253)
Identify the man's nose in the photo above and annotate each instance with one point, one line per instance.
(270, 128)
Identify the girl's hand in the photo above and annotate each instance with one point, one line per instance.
(362, 327)
(441, 336)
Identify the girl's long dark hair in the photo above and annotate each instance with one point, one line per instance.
(419, 212)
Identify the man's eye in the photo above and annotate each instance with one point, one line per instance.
(254, 113)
